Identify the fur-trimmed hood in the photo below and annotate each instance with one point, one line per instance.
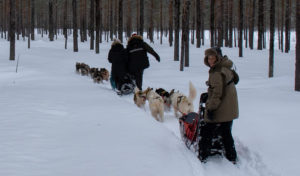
(211, 52)
(221, 61)
(115, 42)
(135, 37)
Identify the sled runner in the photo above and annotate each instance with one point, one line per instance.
(126, 87)
(190, 129)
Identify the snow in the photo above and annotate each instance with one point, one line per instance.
(56, 122)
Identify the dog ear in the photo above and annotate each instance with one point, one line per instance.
(172, 91)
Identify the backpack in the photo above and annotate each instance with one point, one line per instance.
(236, 77)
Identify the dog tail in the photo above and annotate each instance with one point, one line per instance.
(193, 92)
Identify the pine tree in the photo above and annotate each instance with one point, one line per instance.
(272, 31)
(260, 24)
(212, 23)
(12, 29)
(120, 23)
(32, 19)
(75, 29)
(92, 24)
(287, 25)
(51, 23)
(241, 19)
(97, 26)
(297, 71)
(176, 20)
(171, 23)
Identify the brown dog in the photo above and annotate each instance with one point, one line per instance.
(82, 68)
(100, 75)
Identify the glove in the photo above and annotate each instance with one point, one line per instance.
(203, 97)
(210, 115)
(158, 59)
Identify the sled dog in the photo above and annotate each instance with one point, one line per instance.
(156, 104)
(139, 98)
(166, 97)
(182, 103)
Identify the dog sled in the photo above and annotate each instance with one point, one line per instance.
(190, 129)
(126, 87)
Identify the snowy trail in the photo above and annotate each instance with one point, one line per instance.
(55, 122)
(248, 160)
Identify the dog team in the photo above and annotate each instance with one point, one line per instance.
(98, 75)
(160, 101)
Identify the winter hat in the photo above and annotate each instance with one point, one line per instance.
(133, 34)
(211, 52)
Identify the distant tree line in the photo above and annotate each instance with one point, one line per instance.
(232, 23)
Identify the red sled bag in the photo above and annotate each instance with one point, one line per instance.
(189, 128)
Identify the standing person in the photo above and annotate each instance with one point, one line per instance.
(138, 59)
(221, 105)
(118, 57)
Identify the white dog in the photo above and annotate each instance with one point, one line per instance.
(156, 104)
(182, 103)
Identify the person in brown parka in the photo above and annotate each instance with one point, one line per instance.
(221, 105)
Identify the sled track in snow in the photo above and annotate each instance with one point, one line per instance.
(248, 161)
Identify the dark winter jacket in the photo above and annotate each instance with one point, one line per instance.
(118, 56)
(222, 97)
(137, 50)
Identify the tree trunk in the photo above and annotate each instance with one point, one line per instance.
(12, 29)
(120, 26)
(75, 29)
(297, 71)
(66, 23)
(272, 33)
(282, 23)
(92, 24)
(220, 20)
(29, 22)
(260, 24)
(212, 23)
(32, 19)
(51, 28)
(278, 26)
(137, 16)
(226, 21)
(97, 26)
(287, 25)
(116, 17)
(241, 19)
(129, 23)
(198, 23)
(252, 22)
(160, 22)
(171, 23)
(184, 36)
(100, 21)
(230, 6)
(187, 34)
(18, 19)
(141, 27)
(176, 19)
(111, 27)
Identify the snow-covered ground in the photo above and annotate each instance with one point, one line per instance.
(54, 122)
